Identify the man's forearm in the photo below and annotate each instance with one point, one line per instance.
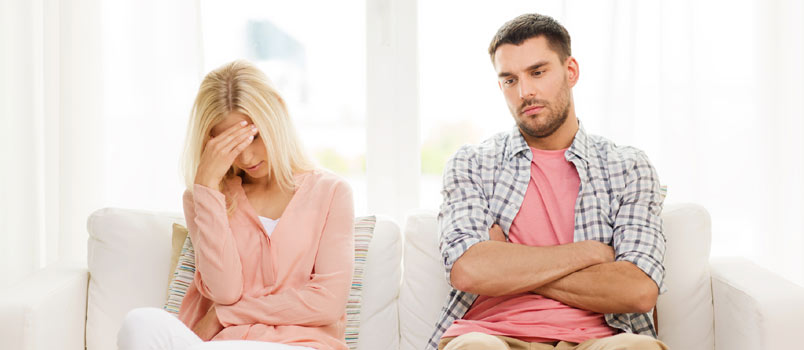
(496, 268)
(616, 287)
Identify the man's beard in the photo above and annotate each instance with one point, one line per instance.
(552, 121)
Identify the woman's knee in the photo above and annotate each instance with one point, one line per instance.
(149, 327)
(139, 318)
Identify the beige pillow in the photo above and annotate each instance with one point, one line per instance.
(179, 235)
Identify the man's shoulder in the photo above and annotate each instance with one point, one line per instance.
(610, 154)
(488, 151)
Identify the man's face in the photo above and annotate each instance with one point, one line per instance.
(536, 85)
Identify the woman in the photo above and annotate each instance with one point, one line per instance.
(272, 235)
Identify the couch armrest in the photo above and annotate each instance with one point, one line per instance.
(754, 308)
(46, 310)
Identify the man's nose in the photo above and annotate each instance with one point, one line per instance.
(527, 89)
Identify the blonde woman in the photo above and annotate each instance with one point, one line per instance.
(273, 236)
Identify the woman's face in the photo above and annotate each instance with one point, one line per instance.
(253, 160)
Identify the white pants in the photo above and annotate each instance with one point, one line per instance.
(150, 328)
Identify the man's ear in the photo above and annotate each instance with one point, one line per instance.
(573, 71)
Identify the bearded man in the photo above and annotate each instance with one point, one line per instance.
(551, 237)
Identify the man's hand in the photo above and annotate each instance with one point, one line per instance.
(600, 288)
(496, 233)
(208, 326)
(603, 251)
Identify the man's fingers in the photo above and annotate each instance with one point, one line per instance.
(496, 233)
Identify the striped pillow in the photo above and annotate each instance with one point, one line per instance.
(182, 275)
(364, 231)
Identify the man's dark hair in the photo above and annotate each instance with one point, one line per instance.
(530, 25)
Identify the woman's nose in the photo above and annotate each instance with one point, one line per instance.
(245, 155)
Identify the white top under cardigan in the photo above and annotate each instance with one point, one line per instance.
(269, 224)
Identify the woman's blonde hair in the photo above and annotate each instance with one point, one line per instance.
(241, 87)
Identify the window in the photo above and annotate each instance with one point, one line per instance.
(316, 61)
(460, 100)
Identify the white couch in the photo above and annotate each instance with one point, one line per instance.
(726, 304)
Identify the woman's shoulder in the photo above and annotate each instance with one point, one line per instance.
(324, 180)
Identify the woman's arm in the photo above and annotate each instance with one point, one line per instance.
(218, 274)
(322, 300)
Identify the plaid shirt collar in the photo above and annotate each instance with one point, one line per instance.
(579, 146)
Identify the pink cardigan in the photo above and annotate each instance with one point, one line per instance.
(290, 287)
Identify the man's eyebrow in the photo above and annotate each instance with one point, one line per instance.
(534, 66)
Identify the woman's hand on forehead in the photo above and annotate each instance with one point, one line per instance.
(231, 129)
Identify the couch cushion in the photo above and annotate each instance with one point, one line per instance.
(686, 316)
(424, 286)
(129, 262)
(379, 318)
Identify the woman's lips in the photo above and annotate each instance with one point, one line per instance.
(254, 167)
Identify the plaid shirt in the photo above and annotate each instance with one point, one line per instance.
(619, 203)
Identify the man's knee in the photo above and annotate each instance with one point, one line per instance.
(628, 341)
(476, 341)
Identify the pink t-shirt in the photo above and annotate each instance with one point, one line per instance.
(546, 218)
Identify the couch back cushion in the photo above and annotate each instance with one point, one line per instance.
(685, 311)
(686, 315)
(379, 317)
(424, 285)
(130, 256)
(129, 264)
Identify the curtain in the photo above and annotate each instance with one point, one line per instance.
(95, 100)
(712, 91)
(95, 97)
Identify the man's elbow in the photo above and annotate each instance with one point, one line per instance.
(460, 278)
(645, 298)
(466, 279)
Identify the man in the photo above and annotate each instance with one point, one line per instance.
(551, 237)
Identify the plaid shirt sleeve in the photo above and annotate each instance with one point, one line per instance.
(638, 235)
(464, 217)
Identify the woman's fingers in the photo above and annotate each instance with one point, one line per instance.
(222, 141)
(231, 130)
(242, 145)
(220, 152)
(238, 138)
